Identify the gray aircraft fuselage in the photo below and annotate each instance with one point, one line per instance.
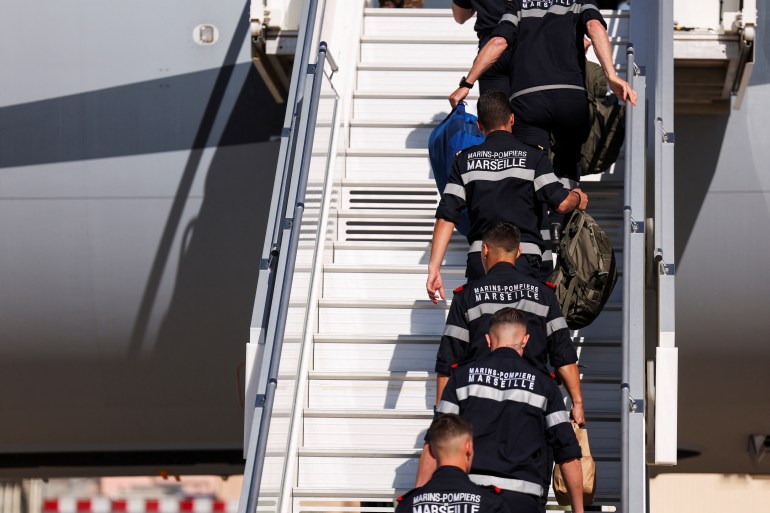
(136, 167)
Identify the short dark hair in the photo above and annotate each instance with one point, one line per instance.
(494, 109)
(504, 236)
(447, 427)
(507, 316)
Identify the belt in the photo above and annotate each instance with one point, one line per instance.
(514, 485)
(527, 248)
(537, 89)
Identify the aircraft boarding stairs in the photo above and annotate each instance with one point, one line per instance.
(370, 386)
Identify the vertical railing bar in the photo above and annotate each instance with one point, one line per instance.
(290, 461)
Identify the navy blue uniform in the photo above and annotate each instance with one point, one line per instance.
(517, 413)
(451, 491)
(548, 74)
(504, 180)
(504, 286)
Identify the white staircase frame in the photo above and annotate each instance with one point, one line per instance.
(633, 391)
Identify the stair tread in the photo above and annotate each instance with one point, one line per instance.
(426, 413)
(399, 453)
(368, 338)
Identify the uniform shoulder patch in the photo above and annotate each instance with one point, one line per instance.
(459, 289)
(400, 498)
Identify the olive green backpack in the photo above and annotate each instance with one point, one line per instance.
(585, 271)
(608, 125)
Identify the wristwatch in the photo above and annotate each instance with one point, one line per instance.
(463, 83)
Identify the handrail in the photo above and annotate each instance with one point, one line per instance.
(632, 387)
(311, 313)
(280, 250)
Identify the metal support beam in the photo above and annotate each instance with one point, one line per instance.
(633, 488)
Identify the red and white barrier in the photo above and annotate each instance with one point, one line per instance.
(162, 505)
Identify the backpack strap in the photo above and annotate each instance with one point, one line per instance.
(578, 225)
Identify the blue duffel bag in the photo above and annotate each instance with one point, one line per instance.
(457, 132)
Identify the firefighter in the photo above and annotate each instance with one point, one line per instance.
(467, 324)
(517, 414)
(498, 180)
(548, 93)
(450, 490)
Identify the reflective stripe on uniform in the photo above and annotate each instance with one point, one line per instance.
(542, 181)
(569, 184)
(447, 407)
(514, 485)
(527, 248)
(545, 88)
(554, 9)
(496, 176)
(455, 190)
(457, 332)
(557, 417)
(525, 305)
(511, 18)
(484, 308)
(516, 395)
(555, 325)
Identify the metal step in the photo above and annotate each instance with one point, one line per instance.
(440, 50)
(396, 469)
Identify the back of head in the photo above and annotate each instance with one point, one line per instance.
(493, 109)
(502, 238)
(508, 328)
(448, 435)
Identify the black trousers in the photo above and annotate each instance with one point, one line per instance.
(527, 264)
(561, 113)
(522, 502)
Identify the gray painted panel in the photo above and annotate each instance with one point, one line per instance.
(76, 278)
(135, 174)
(723, 289)
(64, 48)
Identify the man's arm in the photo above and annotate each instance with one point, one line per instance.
(570, 375)
(576, 199)
(462, 11)
(442, 232)
(573, 478)
(603, 49)
(441, 380)
(484, 60)
(427, 467)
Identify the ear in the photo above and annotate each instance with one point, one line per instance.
(478, 124)
(511, 120)
(524, 341)
(430, 451)
(489, 340)
(484, 250)
(518, 252)
(469, 449)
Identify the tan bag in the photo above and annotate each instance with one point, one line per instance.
(589, 472)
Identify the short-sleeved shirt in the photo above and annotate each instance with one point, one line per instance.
(504, 286)
(502, 179)
(547, 36)
(488, 14)
(450, 490)
(517, 413)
